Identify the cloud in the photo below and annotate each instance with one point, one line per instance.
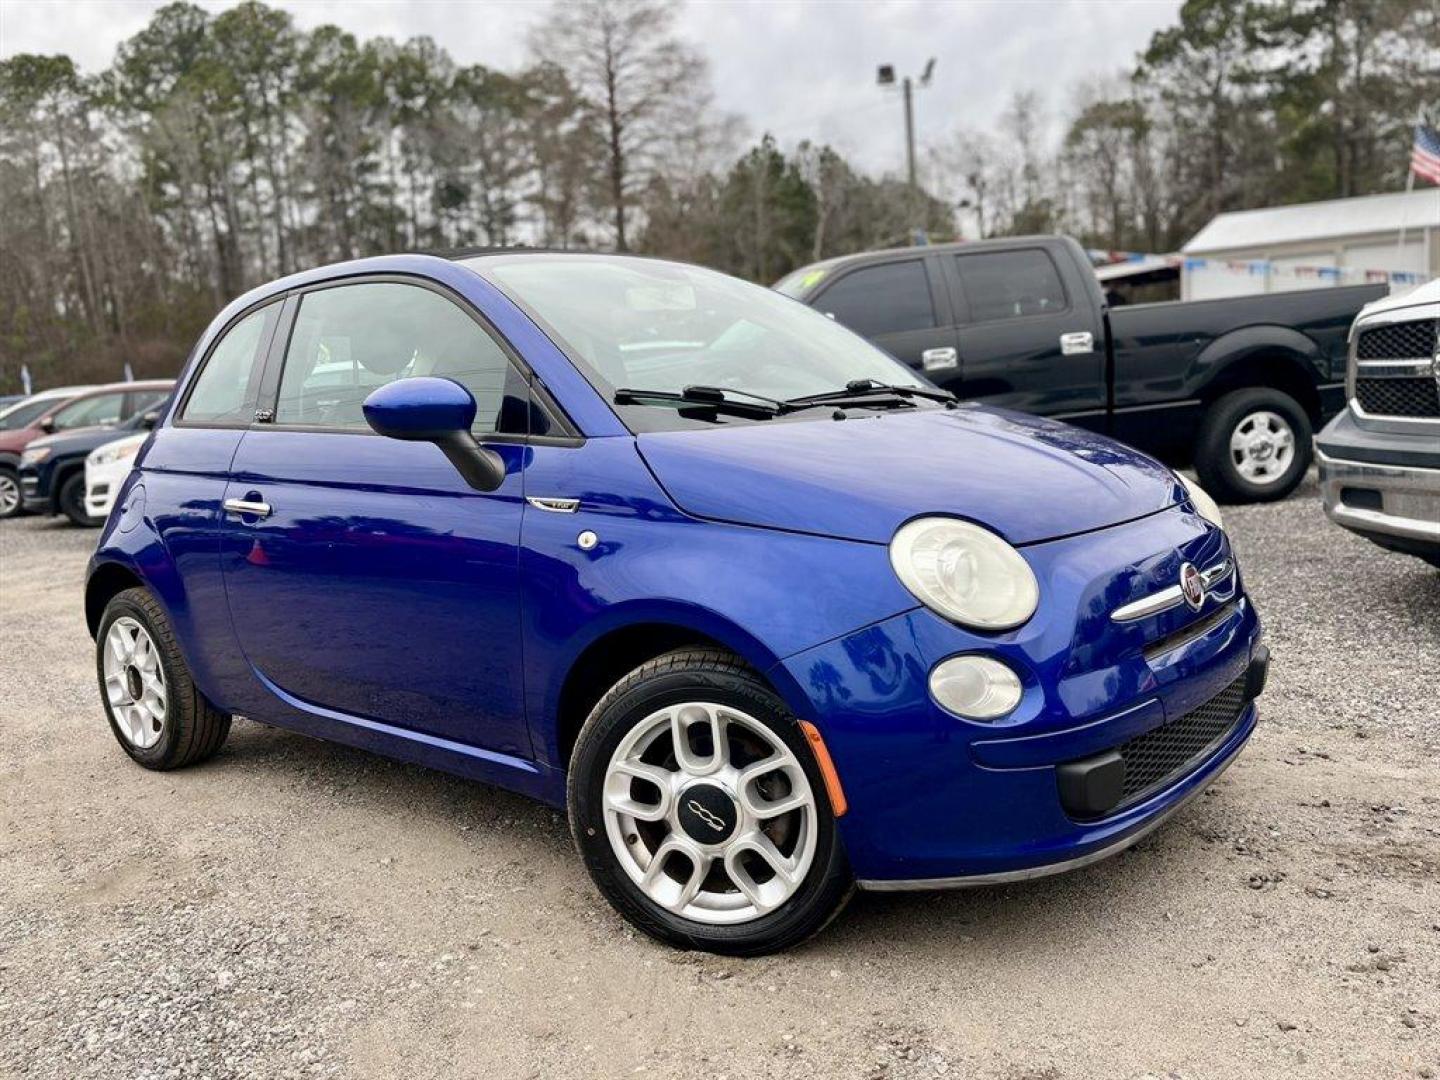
(796, 68)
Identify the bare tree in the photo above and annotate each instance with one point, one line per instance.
(642, 84)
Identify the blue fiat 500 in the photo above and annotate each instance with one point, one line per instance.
(766, 612)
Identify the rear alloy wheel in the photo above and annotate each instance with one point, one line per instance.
(158, 715)
(1254, 446)
(700, 812)
(9, 494)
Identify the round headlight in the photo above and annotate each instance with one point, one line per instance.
(1205, 506)
(965, 573)
(975, 687)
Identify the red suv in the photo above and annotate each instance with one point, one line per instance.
(61, 410)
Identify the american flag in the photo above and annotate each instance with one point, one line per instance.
(1425, 154)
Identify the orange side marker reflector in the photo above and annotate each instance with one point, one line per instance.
(827, 768)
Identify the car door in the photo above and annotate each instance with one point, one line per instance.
(364, 577)
(1024, 342)
(901, 306)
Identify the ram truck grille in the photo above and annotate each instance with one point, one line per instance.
(1414, 340)
(1398, 396)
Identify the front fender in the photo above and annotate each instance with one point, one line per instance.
(764, 593)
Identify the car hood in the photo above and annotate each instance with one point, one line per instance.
(1024, 477)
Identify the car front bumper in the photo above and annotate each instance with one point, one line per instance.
(936, 801)
(1382, 485)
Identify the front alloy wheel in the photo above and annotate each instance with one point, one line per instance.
(9, 494)
(700, 812)
(710, 813)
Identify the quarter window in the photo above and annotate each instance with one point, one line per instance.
(351, 339)
(1010, 284)
(222, 389)
(100, 409)
(883, 299)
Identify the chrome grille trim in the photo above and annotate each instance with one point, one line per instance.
(1172, 596)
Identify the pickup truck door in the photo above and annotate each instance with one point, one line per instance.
(901, 305)
(1026, 341)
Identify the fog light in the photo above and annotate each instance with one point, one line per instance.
(975, 687)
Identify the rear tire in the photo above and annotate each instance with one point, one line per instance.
(1254, 446)
(72, 502)
(156, 712)
(767, 878)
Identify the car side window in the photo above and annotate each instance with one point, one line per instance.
(883, 299)
(144, 400)
(1011, 284)
(100, 409)
(350, 339)
(221, 393)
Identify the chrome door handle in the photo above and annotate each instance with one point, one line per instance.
(245, 506)
(939, 359)
(1081, 341)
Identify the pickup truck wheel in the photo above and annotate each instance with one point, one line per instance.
(1254, 446)
(9, 494)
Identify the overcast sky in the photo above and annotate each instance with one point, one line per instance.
(797, 68)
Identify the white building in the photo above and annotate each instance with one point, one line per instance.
(1370, 238)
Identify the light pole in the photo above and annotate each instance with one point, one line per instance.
(885, 76)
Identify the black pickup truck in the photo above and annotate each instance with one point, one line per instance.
(1235, 386)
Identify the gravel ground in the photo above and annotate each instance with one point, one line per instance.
(298, 909)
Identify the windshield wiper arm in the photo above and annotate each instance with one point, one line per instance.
(860, 388)
(715, 397)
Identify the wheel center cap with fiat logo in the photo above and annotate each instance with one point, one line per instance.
(707, 813)
(1192, 586)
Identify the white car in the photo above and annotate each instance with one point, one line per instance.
(106, 469)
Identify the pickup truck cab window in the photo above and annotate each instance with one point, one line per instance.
(350, 340)
(885, 299)
(1011, 284)
(222, 390)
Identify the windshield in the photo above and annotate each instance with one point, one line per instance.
(644, 324)
(21, 413)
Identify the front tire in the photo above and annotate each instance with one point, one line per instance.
(10, 501)
(156, 712)
(700, 812)
(1254, 446)
(72, 502)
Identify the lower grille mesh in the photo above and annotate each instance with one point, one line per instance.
(1166, 752)
(1399, 397)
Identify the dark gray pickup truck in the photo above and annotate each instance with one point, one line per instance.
(1234, 386)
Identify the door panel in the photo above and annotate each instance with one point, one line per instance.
(379, 585)
(1014, 314)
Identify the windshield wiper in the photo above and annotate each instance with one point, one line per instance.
(861, 389)
(714, 397)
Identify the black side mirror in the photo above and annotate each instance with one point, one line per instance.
(48, 425)
(440, 411)
(150, 419)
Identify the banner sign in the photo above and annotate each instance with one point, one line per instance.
(1324, 275)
